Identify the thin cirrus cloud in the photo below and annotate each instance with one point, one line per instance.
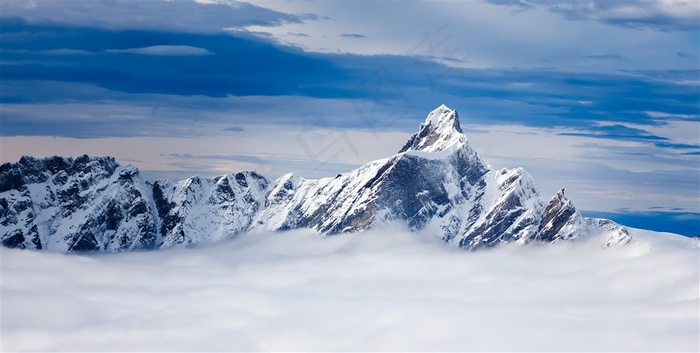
(353, 35)
(605, 57)
(616, 132)
(65, 51)
(684, 55)
(175, 50)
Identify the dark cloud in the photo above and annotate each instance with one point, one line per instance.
(375, 92)
(684, 55)
(517, 3)
(604, 57)
(352, 35)
(639, 14)
(650, 15)
(116, 65)
(175, 50)
(678, 146)
(65, 52)
(624, 133)
(182, 16)
(616, 132)
(234, 129)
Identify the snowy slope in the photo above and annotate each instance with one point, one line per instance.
(82, 204)
(200, 209)
(435, 183)
(92, 203)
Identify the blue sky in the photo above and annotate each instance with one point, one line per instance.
(599, 97)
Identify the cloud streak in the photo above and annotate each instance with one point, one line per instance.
(175, 50)
(185, 16)
(663, 15)
(353, 35)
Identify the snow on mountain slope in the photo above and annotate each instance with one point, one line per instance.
(201, 209)
(82, 204)
(329, 205)
(439, 132)
(436, 183)
(433, 179)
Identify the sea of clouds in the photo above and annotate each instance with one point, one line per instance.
(381, 290)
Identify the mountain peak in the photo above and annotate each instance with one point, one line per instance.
(440, 131)
(438, 184)
(444, 117)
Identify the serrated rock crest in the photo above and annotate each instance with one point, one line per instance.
(436, 183)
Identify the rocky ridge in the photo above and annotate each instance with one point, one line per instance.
(435, 183)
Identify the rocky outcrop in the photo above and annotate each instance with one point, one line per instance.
(560, 220)
(435, 183)
(81, 204)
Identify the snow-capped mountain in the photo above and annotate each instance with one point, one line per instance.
(199, 209)
(66, 204)
(436, 183)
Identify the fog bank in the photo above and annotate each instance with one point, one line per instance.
(379, 290)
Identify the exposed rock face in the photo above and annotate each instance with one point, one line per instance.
(440, 130)
(560, 220)
(200, 209)
(436, 183)
(82, 204)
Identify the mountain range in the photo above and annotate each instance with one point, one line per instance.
(436, 183)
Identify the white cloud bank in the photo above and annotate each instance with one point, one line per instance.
(380, 290)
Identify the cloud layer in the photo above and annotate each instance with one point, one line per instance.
(379, 290)
(184, 16)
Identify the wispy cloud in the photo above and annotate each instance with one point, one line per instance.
(684, 55)
(229, 157)
(663, 15)
(616, 132)
(65, 52)
(186, 16)
(605, 57)
(352, 35)
(174, 50)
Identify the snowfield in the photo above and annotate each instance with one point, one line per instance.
(381, 290)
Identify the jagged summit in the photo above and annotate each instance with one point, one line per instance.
(437, 184)
(560, 219)
(440, 131)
